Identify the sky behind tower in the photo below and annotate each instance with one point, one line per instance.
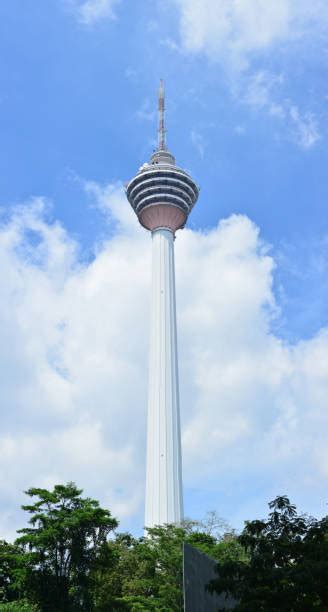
(246, 100)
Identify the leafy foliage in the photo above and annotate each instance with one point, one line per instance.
(61, 547)
(288, 563)
(19, 606)
(148, 571)
(65, 561)
(10, 571)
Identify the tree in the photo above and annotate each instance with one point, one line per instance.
(147, 572)
(10, 556)
(62, 546)
(287, 568)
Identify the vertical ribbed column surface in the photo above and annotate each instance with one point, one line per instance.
(164, 502)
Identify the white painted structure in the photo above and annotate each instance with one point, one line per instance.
(164, 502)
(162, 195)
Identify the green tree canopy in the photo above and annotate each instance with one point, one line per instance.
(147, 573)
(288, 563)
(64, 560)
(62, 545)
(11, 571)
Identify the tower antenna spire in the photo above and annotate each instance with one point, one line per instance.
(161, 121)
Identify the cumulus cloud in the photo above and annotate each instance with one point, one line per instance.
(91, 11)
(232, 29)
(74, 353)
(238, 28)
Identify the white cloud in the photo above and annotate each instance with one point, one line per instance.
(232, 28)
(235, 29)
(306, 130)
(263, 91)
(73, 355)
(244, 36)
(260, 89)
(91, 11)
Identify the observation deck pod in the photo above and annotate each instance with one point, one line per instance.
(162, 194)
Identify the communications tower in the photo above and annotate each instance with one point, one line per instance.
(162, 196)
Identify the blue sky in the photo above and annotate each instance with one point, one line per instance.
(78, 99)
(246, 86)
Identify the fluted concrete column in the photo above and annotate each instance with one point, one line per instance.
(164, 502)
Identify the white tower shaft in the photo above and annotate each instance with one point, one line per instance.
(164, 502)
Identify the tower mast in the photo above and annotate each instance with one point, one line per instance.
(161, 117)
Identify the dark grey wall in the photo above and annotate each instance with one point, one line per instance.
(198, 570)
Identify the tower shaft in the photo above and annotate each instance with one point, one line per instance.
(164, 502)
